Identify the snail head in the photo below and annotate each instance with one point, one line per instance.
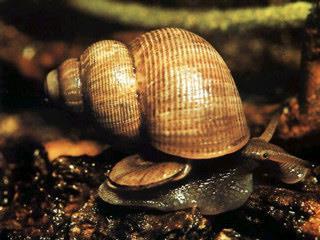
(291, 169)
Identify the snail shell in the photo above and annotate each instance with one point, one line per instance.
(169, 87)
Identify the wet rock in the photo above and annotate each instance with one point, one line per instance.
(230, 234)
(68, 171)
(39, 196)
(6, 191)
(24, 183)
(57, 200)
(97, 220)
(274, 211)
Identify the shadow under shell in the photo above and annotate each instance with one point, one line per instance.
(213, 187)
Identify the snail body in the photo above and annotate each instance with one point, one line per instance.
(169, 89)
(225, 188)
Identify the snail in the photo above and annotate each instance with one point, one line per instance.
(171, 94)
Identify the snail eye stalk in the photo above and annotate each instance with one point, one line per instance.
(265, 155)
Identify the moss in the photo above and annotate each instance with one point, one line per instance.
(288, 15)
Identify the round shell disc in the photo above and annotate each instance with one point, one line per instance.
(134, 172)
(190, 102)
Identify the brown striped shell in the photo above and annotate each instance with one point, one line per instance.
(65, 85)
(169, 85)
(110, 89)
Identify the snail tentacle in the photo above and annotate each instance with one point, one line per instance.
(271, 128)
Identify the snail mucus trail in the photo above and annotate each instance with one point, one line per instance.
(173, 87)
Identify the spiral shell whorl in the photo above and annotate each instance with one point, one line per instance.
(110, 91)
(52, 86)
(70, 84)
(191, 104)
